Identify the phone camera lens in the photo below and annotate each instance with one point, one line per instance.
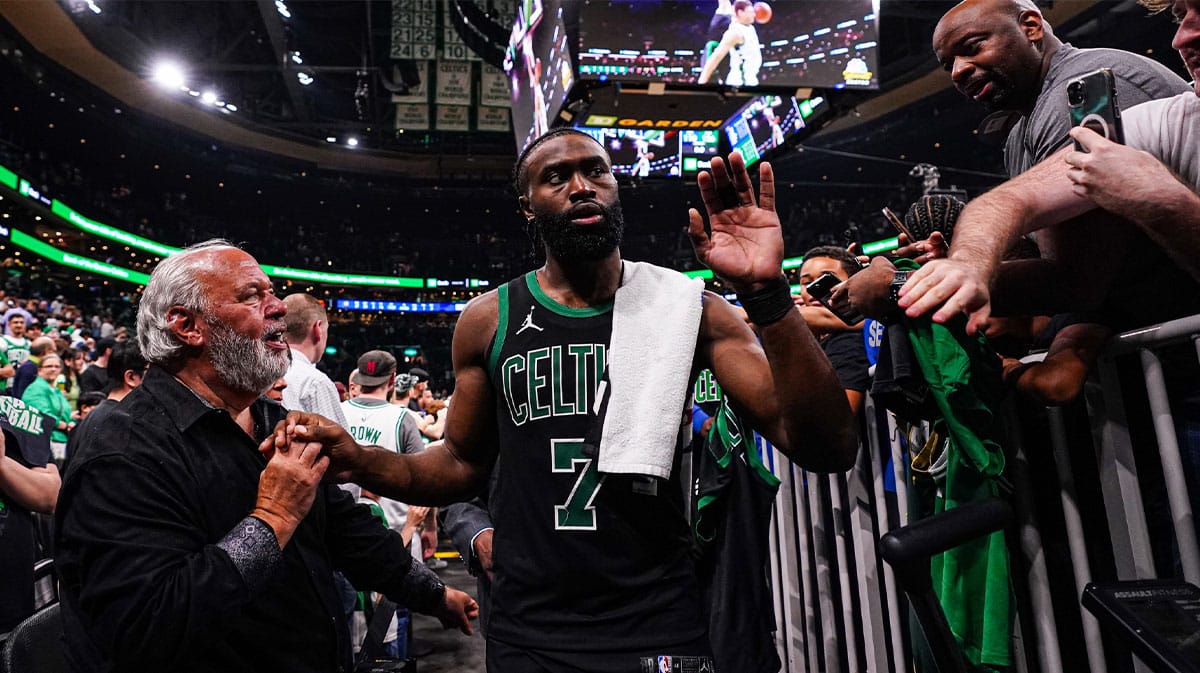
(1075, 94)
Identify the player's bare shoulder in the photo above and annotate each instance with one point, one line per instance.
(477, 324)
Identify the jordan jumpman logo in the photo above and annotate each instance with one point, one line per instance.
(529, 322)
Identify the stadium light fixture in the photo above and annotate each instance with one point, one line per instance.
(282, 8)
(208, 97)
(304, 78)
(297, 58)
(169, 74)
(352, 141)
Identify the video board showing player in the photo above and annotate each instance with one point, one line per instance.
(640, 153)
(766, 123)
(829, 44)
(539, 67)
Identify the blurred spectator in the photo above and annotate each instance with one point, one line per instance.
(308, 389)
(275, 392)
(843, 344)
(419, 387)
(95, 377)
(43, 395)
(31, 369)
(15, 345)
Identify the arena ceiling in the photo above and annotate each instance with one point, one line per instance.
(298, 78)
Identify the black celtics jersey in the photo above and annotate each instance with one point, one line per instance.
(584, 561)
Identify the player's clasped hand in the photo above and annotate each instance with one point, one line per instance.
(743, 244)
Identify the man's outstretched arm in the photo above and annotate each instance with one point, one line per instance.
(446, 471)
(785, 384)
(1042, 196)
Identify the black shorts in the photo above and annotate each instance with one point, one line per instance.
(693, 657)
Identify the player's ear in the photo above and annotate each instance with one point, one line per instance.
(526, 208)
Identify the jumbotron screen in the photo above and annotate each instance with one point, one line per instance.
(766, 123)
(640, 153)
(786, 43)
(539, 67)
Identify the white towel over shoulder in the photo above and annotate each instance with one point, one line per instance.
(656, 321)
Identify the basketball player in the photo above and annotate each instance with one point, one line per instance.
(742, 45)
(592, 571)
(641, 168)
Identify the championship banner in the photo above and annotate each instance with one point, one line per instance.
(414, 29)
(493, 87)
(420, 92)
(453, 47)
(493, 119)
(453, 83)
(412, 117)
(453, 118)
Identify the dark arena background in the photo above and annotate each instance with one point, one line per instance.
(363, 153)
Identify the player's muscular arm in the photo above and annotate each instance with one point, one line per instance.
(729, 41)
(447, 471)
(786, 385)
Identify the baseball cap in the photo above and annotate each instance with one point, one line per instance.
(419, 374)
(375, 368)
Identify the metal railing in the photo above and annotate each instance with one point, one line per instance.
(825, 527)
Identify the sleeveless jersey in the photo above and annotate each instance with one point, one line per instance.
(734, 493)
(583, 561)
(376, 424)
(745, 59)
(379, 424)
(14, 351)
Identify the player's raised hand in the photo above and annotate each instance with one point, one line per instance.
(743, 244)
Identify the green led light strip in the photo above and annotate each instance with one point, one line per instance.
(111, 233)
(886, 245)
(23, 240)
(341, 278)
(8, 178)
(75, 219)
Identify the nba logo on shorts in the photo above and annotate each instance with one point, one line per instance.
(664, 665)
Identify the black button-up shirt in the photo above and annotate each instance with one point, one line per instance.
(151, 492)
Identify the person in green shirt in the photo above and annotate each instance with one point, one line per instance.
(44, 396)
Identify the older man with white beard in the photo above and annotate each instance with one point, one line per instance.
(183, 546)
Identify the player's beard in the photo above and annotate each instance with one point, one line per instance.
(244, 364)
(569, 241)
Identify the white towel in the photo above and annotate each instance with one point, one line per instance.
(656, 321)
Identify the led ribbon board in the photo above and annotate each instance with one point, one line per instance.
(23, 240)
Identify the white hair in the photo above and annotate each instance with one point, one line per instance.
(174, 282)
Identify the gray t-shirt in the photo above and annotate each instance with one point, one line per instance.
(1170, 130)
(1044, 131)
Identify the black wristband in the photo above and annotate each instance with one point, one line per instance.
(770, 304)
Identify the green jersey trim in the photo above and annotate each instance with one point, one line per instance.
(549, 304)
(501, 329)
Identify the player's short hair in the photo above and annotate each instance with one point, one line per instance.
(1156, 5)
(841, 255)
(303, 310)
(520, 180)
(742, 5)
